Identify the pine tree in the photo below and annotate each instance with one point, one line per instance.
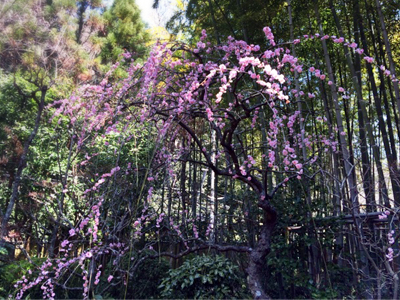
(125, 31)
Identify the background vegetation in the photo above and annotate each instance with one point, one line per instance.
(337, 231)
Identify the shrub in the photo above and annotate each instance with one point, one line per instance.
(204, 277)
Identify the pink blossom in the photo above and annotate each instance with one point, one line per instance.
(390, 237)
(299, 166)
(126, 55)
(389, 256)
(353, 45)
(339, 40)
(269, 35)
(65, 243)
(369, 59)
(209, 114)
(232, 74)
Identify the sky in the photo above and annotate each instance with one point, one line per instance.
(152, 17)
(149, 15)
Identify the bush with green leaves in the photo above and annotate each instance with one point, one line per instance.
(11, 272)
(205, 276)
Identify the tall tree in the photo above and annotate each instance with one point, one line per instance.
(39, 51)
(124, 31)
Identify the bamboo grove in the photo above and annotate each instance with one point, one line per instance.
(257, 158)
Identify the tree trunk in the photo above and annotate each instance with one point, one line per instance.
(213, 189)
(363, 116)
(257, 260)
(349, 168)
(389, 53)
(312, 251)
(381, 60)
(22, 165)
(83, 5)
(217, 36)
(391, 156)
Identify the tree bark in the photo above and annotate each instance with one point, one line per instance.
(391, 156)
(364, 120)
(392, 65)
(83, 5)
(349, 168)
(256, 268)
(312, 251)
(22, 165)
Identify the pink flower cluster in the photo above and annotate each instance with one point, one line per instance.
(269, 35)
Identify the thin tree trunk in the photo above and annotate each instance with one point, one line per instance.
(336, 190)
(226, 19)
(391, 157)
(381, 76)
(363, 118)
(349, 168)
(312, 251)
(367, 166)
(213, 189)
(60, 211)
(392, 65)
(244, 30)
(217, 36)
(22, 165)
(83, 5)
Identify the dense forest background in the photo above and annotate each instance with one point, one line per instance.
(249, 149)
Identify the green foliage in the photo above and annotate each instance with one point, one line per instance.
(204, 276)
(125, 31)
(12, 272)
(13, 107)
(240, 19)
(145, 281)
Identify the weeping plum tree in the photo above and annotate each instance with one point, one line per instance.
(187, 95)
